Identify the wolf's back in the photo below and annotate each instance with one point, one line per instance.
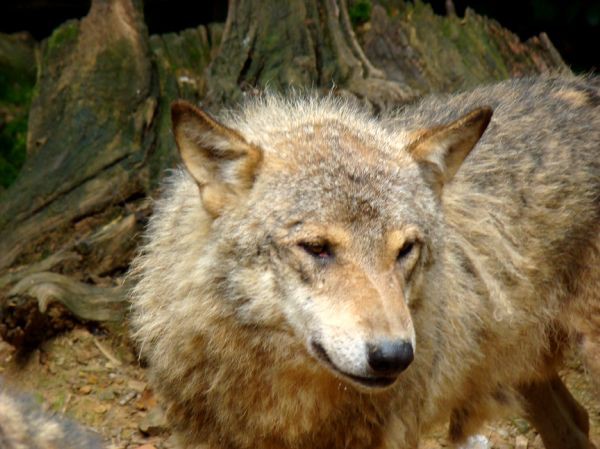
(533, 180)
(545, 133)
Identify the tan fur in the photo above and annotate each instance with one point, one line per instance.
(23, 425)
(345, 230)
(575, 97)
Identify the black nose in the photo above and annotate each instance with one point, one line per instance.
(390, 357)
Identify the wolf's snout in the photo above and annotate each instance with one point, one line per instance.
(390, 357)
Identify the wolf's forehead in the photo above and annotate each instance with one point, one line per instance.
(342, 192)
(349, 170)
(333, 142)
(330, 158)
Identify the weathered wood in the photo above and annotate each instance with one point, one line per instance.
(12, 277)
(86, 302)
(110, 247)
(17, 57)
(431, 53)
(89, 125)
(180, 60)
(43, 304)
(300, 43)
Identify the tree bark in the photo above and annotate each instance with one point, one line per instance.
(300, 43)
(89, 125)
(431, 53)
(99, 126)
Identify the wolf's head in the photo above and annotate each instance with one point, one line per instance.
(326, 222)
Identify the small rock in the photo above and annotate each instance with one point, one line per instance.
(502, 432)
(172, 442)
(137, 385)
(429, 444)
(92, 379)
(521, 425)
(476, 442)
(101, 409)
(146, 401)
(6, 351)
(80, 334)
(521, 442)
(154, 423)
(86, 389)
(126, 434)
(107, 395)
(127, 398)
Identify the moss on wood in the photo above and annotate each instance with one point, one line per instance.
(432, 53)
(89, 125)
(180, 60)
(17, 78)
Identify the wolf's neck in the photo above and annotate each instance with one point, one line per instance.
(279, 389)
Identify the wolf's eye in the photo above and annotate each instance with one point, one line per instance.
(405, 250)
(321, 251)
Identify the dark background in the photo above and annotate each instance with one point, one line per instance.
(573, 25)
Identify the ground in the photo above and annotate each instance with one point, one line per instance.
(94, 377)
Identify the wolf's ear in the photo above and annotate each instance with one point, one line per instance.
(441, 150)
(220, 160)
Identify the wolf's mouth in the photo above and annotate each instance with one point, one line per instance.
(370, 382)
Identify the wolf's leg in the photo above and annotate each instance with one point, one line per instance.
(464, 422)
(585, 314)
(560, 420)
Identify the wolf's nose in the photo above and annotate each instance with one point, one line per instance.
(390, 357)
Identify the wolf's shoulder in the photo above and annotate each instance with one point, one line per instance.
(553, 96)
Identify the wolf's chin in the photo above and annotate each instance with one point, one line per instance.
(364, 382)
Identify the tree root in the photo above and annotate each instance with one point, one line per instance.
(44, 265)
(84, 301)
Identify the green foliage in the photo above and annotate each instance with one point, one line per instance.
(66, 34)
(15, 98)
(13, 148)
(17, 80)
(360, 11)
(14, 87)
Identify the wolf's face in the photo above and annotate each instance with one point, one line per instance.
(345, 253)
(331, 233)
(346, 295)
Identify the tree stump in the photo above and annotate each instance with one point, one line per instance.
(99, 134)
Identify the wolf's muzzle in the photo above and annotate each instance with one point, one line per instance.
(370, 381)
(390, 357)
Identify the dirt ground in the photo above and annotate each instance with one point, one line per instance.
(95, 378)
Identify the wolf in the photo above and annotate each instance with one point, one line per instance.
(23, 425)
(319, 278)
